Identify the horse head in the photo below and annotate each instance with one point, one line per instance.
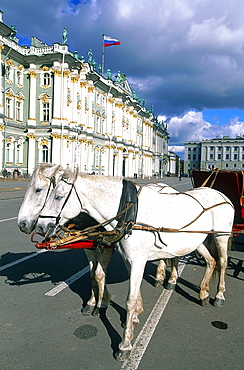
(61, 205)
(43, 180)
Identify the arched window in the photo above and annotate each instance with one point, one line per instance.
(9, 151)
(18, 111)
(8, 107)
(44, 153)
(7, 72)
(46, 79)
(18, 75)
(46, 112)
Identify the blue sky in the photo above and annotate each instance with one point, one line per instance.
(185, 57)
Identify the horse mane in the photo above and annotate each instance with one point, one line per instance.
(68, 172)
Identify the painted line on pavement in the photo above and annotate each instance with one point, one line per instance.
(67, 282)
(149, 327)
(22, 259)
(8, 219)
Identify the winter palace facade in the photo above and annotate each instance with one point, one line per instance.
(56, 107)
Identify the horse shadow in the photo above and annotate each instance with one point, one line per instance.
(56, 267)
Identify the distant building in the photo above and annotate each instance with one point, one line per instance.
(55, 107)
(223, 153)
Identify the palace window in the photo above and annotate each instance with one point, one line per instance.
(18, 111)
(44, 153)
(46, 112)
(7, 72)
(8, 107)
(18, 75)
(19, 152)
(46, 79)
(9, 152)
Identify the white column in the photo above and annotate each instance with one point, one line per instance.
(130, 163)
(32, 98)
(119, 162)
(1, 89)
(31, 153)
(2, 146)
(90, 99)
(89, 156)
(74, 90)
(57, 96)
(55, 155)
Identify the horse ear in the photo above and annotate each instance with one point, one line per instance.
(51, 171)
(73, 175)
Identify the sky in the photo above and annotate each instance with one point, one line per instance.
(185, 57)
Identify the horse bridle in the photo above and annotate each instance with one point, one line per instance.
(57, 218)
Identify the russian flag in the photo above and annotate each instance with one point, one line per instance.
(108, 41)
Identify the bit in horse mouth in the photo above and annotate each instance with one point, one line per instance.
(50, 233)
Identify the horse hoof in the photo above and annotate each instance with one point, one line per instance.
(158, 283)
(204, 301)
(87, 310)
(218, 302)
(122, 355)
(96, 312)
(170, 286)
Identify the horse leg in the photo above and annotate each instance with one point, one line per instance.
(210, 266)
(174, 274)
(160, 274)
(222, 246)
(133, 307)
(92, 259)
(104, 297)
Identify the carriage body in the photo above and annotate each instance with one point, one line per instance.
(230, 183)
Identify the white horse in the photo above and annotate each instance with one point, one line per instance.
(44, 179)
(187, 219)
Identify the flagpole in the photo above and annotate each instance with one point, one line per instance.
(103, 56)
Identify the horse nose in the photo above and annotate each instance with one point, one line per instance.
(46, 230)
(23, 226)
(26, 226)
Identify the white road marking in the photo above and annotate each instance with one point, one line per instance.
(67, 282)
(22, 259)
(8, 219)
(149, 327)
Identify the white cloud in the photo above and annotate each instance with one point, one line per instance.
(176, 148)
(190, 126)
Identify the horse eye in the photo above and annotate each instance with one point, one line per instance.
(38, 190)
(58, 197)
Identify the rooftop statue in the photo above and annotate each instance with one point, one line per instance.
(109, 74)
(65, 36)
(14, 31)
(90, 56)
(99, 68)
(94, 63)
